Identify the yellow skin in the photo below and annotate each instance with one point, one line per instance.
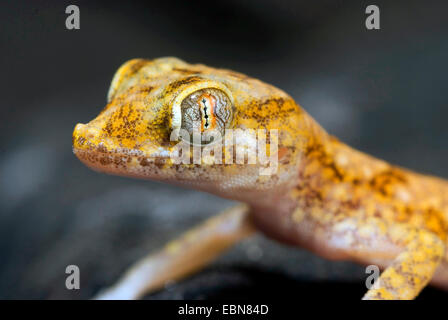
(325, 196)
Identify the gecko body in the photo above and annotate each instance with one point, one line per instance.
(324, 196)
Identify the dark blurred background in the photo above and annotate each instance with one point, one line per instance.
(384, 92)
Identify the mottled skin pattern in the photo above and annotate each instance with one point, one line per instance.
(325, 196)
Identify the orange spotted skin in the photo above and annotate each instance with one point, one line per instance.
(324, 196)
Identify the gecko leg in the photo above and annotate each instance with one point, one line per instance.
(413, 254)
(411, 270)
(183, 256)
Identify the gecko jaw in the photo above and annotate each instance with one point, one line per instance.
(99, 154)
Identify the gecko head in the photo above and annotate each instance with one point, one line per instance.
(194, 125)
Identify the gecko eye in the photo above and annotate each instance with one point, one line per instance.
(206, 110)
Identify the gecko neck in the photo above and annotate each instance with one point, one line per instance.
(335, 179)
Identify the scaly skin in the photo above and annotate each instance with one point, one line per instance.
(325, 196)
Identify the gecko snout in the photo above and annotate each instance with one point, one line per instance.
(84, 135)
(85, 130)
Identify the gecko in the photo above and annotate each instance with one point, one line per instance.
(323, 195)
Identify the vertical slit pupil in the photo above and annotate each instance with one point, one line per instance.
(205, 111)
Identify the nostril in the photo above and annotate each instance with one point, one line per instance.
(80, 128)
(83, 130)
(90, 133)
